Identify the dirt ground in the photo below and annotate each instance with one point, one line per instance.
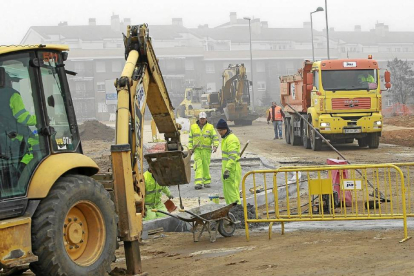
(304, 252)
(375, 252)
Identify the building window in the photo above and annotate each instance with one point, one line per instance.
(210, 68)
(170, 65)
(80, 86)
(116, 66)
(211, 87)
(102, 107)
(189, 64)
(100, 86)
(100, 66)
(261, 86)
(260, 67)
(79, 67)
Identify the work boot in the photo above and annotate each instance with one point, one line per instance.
(198, 187)
(207, 186)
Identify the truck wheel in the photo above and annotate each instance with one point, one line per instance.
(305, 140)
(363, 142)
(373, 140)
(316, 144)
(295, 140)
(287, 131)
(74, 229)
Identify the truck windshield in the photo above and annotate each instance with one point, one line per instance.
(362, 79)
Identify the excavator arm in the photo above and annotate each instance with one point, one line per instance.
(141, 84)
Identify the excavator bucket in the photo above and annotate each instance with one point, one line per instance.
(170, 168)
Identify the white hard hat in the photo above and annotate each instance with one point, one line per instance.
(202, 115)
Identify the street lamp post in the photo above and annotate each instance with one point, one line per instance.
(251, 59)
(313, 49)
(327, 29)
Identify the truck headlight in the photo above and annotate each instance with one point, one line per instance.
(325, 124)
(377, 123)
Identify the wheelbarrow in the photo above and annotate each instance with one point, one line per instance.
(212, 217)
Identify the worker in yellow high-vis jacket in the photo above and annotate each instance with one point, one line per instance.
(15, 120)
(231, 169)
(202, 141)
(153, 193)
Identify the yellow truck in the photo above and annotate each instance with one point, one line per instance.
(340, 98)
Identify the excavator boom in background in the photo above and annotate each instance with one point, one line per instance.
(233, 99)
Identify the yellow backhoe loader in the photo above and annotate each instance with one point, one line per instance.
(53, 214)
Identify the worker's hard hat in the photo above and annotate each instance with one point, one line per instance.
(202, 115)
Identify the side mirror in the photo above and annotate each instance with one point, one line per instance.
(51, 101)
(309, 82)
(387, 78)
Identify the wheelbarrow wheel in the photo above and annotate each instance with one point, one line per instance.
(227, 228)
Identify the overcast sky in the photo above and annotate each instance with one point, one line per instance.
(18, 15)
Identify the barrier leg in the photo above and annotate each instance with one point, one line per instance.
(270, 230)
(283, 227)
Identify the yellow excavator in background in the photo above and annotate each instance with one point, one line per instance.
(233, 100)
(53, 214)
(192, 104)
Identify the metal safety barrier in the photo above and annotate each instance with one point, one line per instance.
(408, 171)
(328, 193)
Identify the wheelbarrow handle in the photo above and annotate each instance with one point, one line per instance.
(165, 213)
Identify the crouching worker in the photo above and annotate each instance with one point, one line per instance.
(153, 197)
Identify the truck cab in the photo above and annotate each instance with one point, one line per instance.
(346, 100)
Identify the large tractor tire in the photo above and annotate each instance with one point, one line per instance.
(373, 140)
(287, 131)
(74, 229)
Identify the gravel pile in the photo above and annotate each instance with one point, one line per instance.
(238, 212)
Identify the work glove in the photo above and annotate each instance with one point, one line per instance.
(226, 174)
(190, 152)
(170, 197)
(214, 149)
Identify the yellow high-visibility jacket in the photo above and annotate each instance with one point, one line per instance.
(202, 138)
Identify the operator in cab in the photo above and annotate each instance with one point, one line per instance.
(15, 120)
(366, 77)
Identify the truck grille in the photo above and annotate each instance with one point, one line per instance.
(355, 103)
